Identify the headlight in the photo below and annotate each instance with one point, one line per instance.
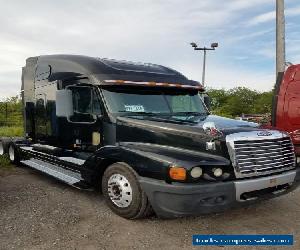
(217, 172)
(196, 172)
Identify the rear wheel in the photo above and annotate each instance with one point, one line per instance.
(1, 148)
(123, 193)
(13, 154)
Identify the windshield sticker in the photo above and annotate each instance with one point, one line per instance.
(134, 108)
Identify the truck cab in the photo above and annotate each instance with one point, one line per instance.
(286, 104)
(142, 135)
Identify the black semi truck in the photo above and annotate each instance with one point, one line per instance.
(141, 135)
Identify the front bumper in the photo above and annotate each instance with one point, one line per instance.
(179, 199)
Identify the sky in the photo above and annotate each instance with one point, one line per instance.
(151, 31)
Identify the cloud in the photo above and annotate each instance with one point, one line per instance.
(246, 4)
(271, 15)
(267, 51)
(266, 17)
(293, 11)
(250, 35)
(157, 31)
(224, 76)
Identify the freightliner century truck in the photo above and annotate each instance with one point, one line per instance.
(141, 135)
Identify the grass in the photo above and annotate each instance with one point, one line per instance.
(11, 131)
(7, 132)
(4, 162)
(6, 168)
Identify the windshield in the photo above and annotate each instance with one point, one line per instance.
(141, 102)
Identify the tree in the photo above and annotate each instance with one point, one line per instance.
(218, 97)
(240, 100)
(263, 104)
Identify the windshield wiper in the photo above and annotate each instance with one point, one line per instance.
(139, 113)
(190, 113)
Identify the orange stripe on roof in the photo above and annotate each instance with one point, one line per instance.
(153, 84)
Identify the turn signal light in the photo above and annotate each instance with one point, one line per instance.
(177, 173)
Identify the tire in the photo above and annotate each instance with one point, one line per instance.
(123, 193)
(13, 154)
(2, 149)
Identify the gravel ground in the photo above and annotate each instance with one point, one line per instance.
(38, 212)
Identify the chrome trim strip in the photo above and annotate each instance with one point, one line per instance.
(72, 160)
(252, 135)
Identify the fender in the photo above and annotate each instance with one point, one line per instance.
(149, 160)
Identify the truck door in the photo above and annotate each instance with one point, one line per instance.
(86, 122)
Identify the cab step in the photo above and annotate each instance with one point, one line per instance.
(68, 176)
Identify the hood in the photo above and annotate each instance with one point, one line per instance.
(179, 134)
(227, 125)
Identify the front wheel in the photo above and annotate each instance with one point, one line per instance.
(123, 193)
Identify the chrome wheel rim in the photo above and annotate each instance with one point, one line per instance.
(11, 153)
(1, 149)
(119, 190)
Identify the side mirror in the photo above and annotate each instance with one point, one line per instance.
(64, 103)
(207, 101)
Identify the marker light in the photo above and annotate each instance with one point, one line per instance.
(217, 172)
(196, 172)
(177, 173)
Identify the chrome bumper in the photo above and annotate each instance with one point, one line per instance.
(245, 186)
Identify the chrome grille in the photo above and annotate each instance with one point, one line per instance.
(253, 156)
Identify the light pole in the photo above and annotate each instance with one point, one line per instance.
(280, 38)
(213, 46)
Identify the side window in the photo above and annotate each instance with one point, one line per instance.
(86, 104)
(42, 72)
(82, 100)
